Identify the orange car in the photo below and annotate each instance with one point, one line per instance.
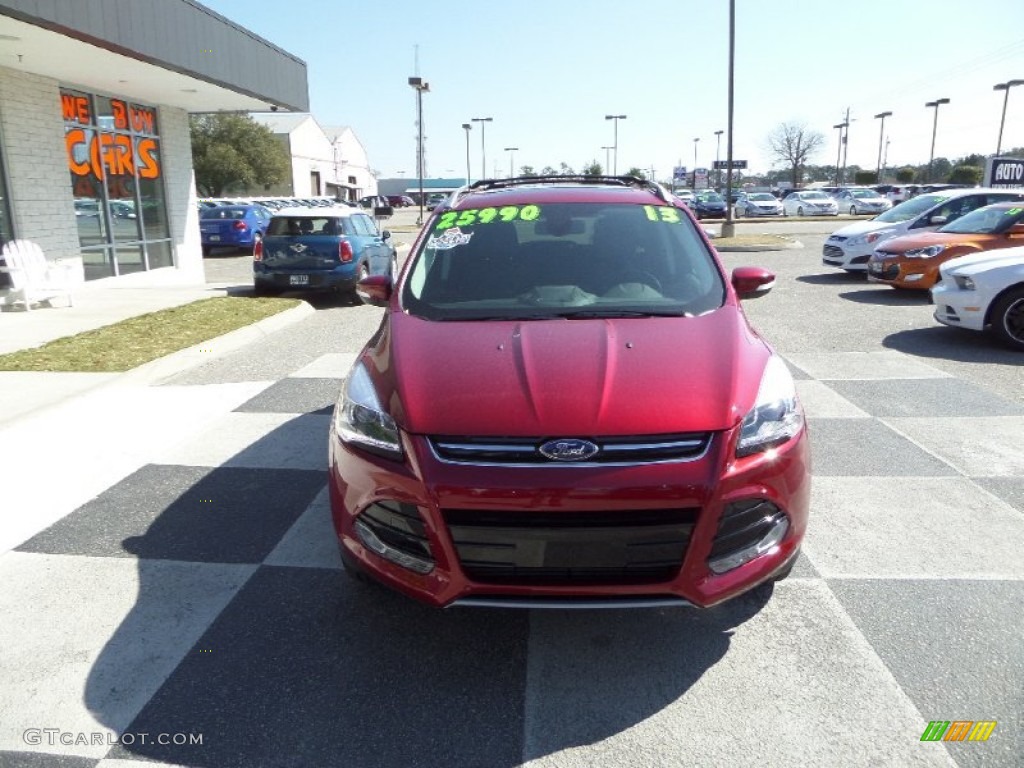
(912, 261)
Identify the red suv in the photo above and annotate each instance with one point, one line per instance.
(565, 403)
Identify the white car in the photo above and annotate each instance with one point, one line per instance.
(759, 204)
(809, 203)
(686, 196)
(984, 290)
(858, 200)
(850, 248)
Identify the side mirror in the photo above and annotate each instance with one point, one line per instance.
(374, 290)
(752, 282)
(385, 235)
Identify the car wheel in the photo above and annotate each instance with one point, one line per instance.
(800, 211)
(853, 210)
(261, 288)
(207, 250)
(1008, 318)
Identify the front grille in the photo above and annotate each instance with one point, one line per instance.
(743, 524)
(646, 449)
(832, 253)
(399, 526)
(570, 548)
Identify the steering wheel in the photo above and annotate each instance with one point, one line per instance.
(642, 276)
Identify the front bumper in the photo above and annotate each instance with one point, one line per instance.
(912, 275)
(845, 257)
(514, 535)
(957, 308)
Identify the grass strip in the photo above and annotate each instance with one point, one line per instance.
(137, 340)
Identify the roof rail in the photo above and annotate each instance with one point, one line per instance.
(521, 181)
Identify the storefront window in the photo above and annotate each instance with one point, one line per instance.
(113, 151)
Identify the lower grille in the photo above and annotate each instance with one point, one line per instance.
(571, 548)
(399, 526)
(743, 524)
(832, 253)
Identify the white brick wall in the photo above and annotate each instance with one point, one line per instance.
(38, 181)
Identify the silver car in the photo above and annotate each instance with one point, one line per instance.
(809, 203)
(860, 200)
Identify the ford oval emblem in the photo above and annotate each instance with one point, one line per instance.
(568, 450)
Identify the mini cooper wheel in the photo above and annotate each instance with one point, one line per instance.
(1008, 318)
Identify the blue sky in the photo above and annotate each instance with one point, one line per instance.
(548, 73)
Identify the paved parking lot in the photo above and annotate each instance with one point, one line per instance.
(197, 590)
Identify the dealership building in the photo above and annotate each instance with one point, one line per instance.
(95, 97)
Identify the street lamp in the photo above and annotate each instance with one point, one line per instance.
(607, 160)
(511, 157)
(483, 146)
(1006, 97)
(695, 153)
(615, 144)
(728, 227)
(839, 149)
(881, 134)
(467, 127)
(718, 148)
(935, 128)
(421, 87)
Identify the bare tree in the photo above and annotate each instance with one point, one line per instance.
(793, 144)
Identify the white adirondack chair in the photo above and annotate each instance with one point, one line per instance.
(33, 277)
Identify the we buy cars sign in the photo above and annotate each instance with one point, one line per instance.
(1004, 172)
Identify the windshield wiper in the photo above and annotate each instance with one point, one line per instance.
(590, 314)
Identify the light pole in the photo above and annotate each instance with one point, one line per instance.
(511, 158)
(718, 149)
(935, 128)
(1006, 97)
(695, 162)
(421, 87)
(483, 144)
(881, 133)
(839, 149)
(467, 127)
(729, 228)
(615, 143)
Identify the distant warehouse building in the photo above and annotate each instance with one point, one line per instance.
(95, 95)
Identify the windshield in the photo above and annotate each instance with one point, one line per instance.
(814, 196)
(985, 221)
(568, 260)
(910, 208)
(761, 196)
(864, 194)
(712, 197)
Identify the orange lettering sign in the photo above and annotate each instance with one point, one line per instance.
(75, 108)
(110, 155)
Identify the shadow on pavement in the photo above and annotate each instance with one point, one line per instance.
(304, 666)
(962, 345)
(887, 297)
(832, 278)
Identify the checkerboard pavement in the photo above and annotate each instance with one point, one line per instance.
(200, 594)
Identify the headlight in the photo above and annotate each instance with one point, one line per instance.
(963, 282)
(924, 253)
(776, 416)
(360, 419)
(870, 237)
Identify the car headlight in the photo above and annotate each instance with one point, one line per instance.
(776, 416)
(870, 237)
(360, 419)
(964, 283)
(924, 253)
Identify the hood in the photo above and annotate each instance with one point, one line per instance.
(863, 228)
(905, 243)
(985, 261)
(569, 377)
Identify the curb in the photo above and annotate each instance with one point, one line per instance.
(791, 246)
(164, 367)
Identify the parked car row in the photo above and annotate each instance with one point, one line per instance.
(965, 245)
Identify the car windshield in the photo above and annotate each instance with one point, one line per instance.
(814, 196)
(761, 196)
(711, 197)
(302, 225)
(863, 194)
(562, 260)
(223, 213)
(911, 208)
(985, 221)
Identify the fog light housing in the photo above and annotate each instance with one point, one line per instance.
(373, 542)
(774, 526)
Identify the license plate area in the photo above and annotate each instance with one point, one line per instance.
(298, 279)
(214, 237)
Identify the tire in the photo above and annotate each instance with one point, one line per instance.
(800, 211)
(1008, 318)
(207, 250)
(853, 210)
(262, 289)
